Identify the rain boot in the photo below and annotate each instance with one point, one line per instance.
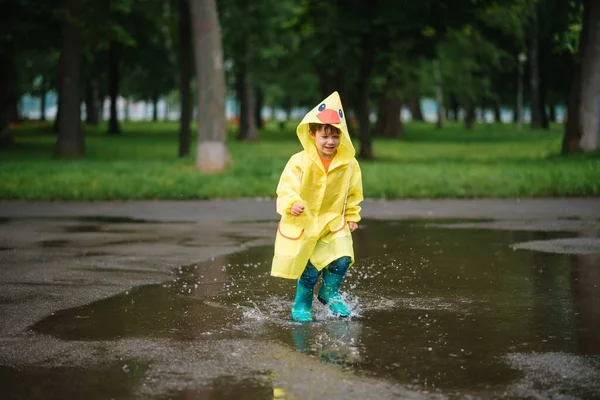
(329, 294)
(302, 306)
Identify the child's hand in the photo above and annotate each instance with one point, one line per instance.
(353, 226)
(297, 209)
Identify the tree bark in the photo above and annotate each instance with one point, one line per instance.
(126, 109)
(537, 108)
(91, 103)
(439, 94)
(114, 56)
(43, 100)
(212, 154)
(70, 136)
(414, 105)
(57, 116)
(186, 69)
(572, 137)
(389, 123)
(154, 108)
(258, 106)
(552, 117)
(469, 114)
(497, 113)
(590, 79)
(365, 69)
(247, 122)
(7, 89)
(287, 105)
(454, 106)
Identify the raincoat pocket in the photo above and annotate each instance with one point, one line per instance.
(293, 248)
(337, 224)
(292, 228)
(340, 232)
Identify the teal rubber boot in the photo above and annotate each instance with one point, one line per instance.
(302, 307)
(329, 293)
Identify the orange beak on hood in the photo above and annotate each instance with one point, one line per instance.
(329, 116)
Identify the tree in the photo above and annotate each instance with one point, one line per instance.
(186, 70)
(212, 154)
(590, 77)
(70, 135)
(114, 60)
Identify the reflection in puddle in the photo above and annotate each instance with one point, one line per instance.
(456, 311)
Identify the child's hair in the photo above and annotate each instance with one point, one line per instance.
(314, 127)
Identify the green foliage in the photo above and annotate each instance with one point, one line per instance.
(489, 161)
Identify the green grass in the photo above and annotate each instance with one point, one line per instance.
(141, 163)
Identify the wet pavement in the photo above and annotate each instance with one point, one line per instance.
(139, 306)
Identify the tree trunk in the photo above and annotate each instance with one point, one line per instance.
(590, 79)
(537, 119)
(57, 116)
(7, 89)
(101, 104)
(389, 123)
(367, 42)
(258, 106)
(70, 136)
(469, 114)
(186, 69)
(247, 123)
(497, 113)
(439, 94)
(114, 56)
(414, 105)
(552, 117)
(43, 100)
(91, 106)
(287, 105)
(572, 136)
(212, 154)
(155, 108)
(454, 106)
(126, 109)
(573, 132)
(545, 119)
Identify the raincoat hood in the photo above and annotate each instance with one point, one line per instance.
(328, 111)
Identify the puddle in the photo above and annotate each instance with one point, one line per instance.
(71, 382)
(458, 312)
(231, 387)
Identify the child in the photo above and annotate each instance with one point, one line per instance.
(318, 198)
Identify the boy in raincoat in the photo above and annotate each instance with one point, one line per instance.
(318, 198)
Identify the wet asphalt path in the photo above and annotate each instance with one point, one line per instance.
(56, 256)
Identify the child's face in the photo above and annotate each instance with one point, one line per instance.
(327, 142)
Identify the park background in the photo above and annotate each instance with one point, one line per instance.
(132, 99)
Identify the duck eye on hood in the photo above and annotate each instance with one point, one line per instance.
(341, 113)
(322, 107)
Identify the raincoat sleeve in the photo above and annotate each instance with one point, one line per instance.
(288, 189)
(355, 194)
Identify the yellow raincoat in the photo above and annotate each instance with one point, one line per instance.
(331, 199)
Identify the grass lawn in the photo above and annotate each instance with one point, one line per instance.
(142, 163)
